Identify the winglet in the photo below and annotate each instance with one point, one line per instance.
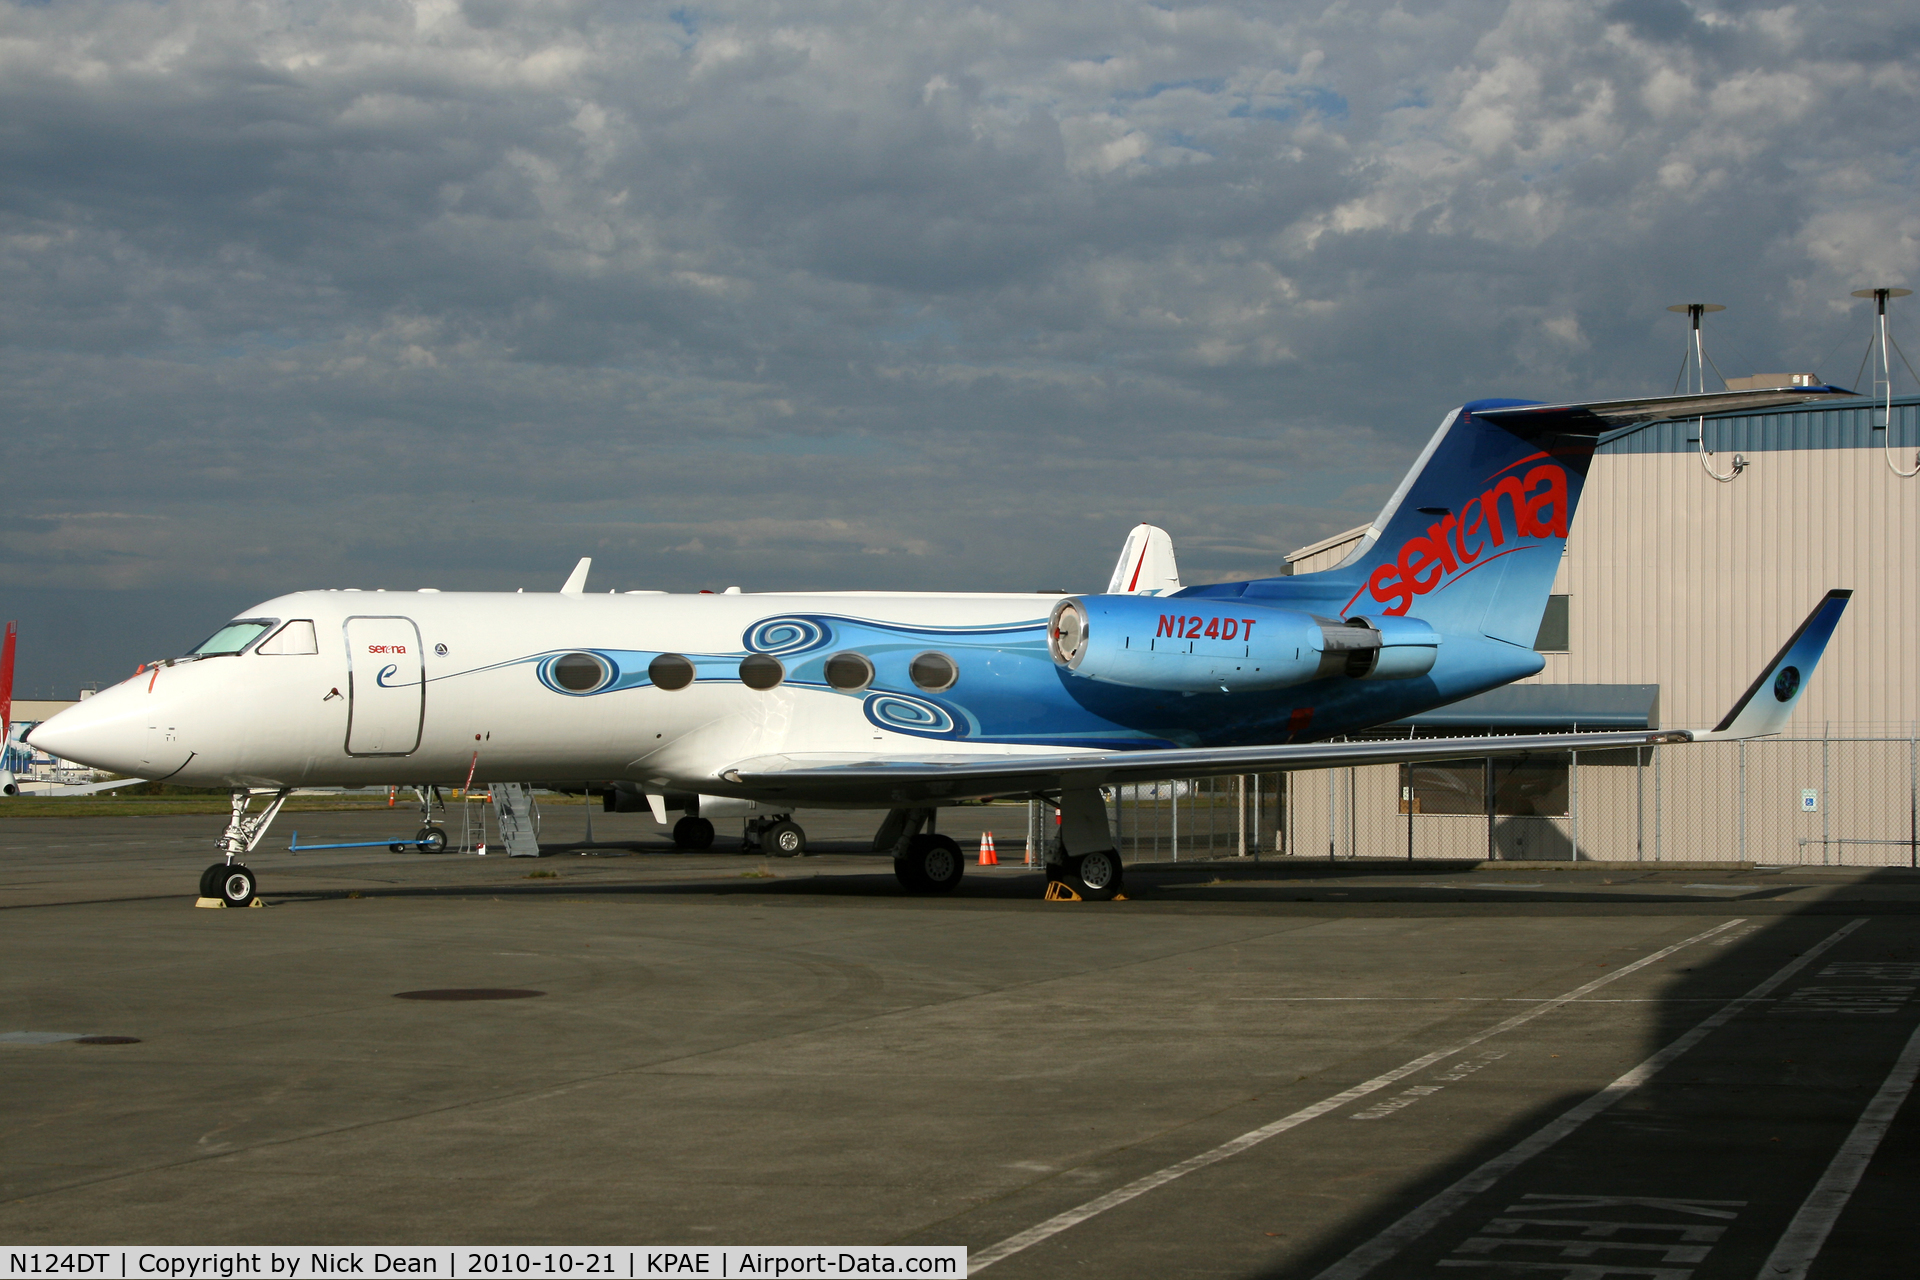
(1768, 702)
(577, 580)
(1146, 566)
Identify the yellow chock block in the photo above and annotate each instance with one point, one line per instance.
(1060, 891)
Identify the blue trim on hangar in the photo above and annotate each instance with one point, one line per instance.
(1817, 426)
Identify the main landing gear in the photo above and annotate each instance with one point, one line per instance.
(693, 833)
(231, 881)
(923, 860)
(1092, 876)
(779, 836)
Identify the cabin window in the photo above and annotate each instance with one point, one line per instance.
(933, 672)
(670, 671)
(296, 637)
(579, 672)
(761, 671)
(849, 672)
(232, 638)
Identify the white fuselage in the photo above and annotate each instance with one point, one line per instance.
(432, 687)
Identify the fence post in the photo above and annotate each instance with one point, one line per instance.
(1333, 810)
(1573, 797)
(1256, 816)
(1639, 804)
(1353, 808)
(1657, 833)
(1175, 841)
(1406, 796)
(1743, 799)
(1913, 794)
(1486, 798)
(1826, 800)
(1240, 811)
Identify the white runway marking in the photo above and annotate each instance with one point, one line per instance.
(1476, 999)
(1140, 1186)
(1384, 1246)
(1808, 1230)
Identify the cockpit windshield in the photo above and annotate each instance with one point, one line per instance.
(232, 638)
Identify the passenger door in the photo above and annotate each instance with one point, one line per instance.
(386, 687)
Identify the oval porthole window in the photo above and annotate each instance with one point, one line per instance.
(849, 672)
(579, 672)
(670, 671)
(933, 672)
(761, 671)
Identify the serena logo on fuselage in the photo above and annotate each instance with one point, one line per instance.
(1450, 547)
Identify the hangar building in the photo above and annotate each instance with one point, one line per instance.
(1682, 576)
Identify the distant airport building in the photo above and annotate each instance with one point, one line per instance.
(1697, 547)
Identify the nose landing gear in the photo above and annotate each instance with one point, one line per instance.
(230, 881)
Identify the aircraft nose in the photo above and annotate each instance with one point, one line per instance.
(107, 731)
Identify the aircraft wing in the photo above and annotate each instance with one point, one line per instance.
(1763, 709)
(933, 778)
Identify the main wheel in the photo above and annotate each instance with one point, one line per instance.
(1094, 876)
(784, 840)
(431, 840)
(210, 880)
(931, 864)
(693, 833)
(236, 885)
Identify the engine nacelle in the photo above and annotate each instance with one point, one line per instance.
(1210, 644)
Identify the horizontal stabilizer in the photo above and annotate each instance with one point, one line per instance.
(1596, 416)
(1146, 566)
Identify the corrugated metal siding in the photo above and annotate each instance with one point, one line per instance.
(1811, 428)
(1684, 582)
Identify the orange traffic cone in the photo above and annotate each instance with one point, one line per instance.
(988, 858)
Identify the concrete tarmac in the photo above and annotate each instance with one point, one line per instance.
(1290, 1069)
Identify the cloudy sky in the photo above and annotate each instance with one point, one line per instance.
(861, 292)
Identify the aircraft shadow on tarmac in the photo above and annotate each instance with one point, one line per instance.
(1697, 1169)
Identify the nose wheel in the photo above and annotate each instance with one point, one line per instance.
(231, 882)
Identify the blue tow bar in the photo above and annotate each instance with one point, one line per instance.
(294, 845)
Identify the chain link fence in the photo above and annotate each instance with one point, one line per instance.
(1850, 796)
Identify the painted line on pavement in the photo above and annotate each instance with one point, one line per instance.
(1383, 1247)
(1808, 1231)
(1140, 1186)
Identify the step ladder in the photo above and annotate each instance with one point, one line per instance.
(517, 818)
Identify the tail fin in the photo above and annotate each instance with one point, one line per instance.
(1146, 566)
(1471, 540)
(6, 681)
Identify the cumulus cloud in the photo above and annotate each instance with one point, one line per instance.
(871, 294)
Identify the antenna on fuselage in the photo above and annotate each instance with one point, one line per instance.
(1883, 385)
(1695, 362)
